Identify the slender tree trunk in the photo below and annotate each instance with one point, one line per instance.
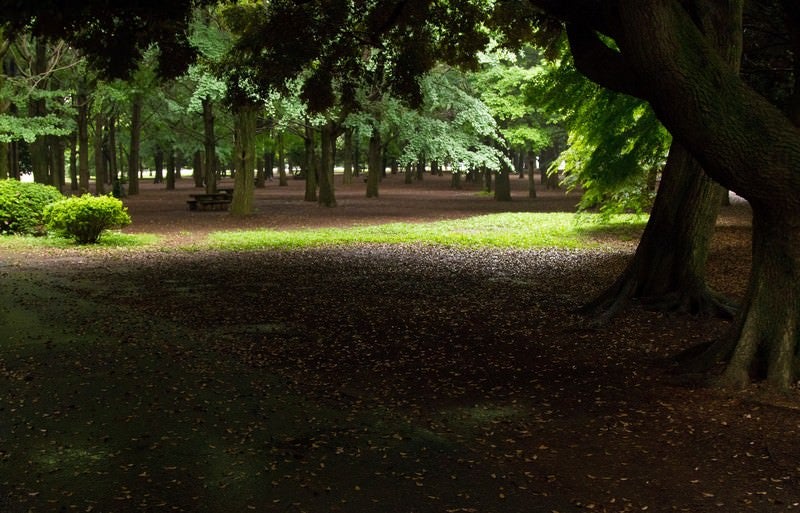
(73, 162)
(487, 179)
(210, 146)
(532, 169)
(347, 176)
(111, 151)
(311, 164)
(409, 174)
(136, 138)
(158, 166)
(455, 180)
(59, 166)
(83, 141)
(261, 175)
(171, 170)
(436, 170)
(39, 148)
(327, 197)
(375, 163)
(245, 160)
(420, 168)
(99, 157)
(269, 162)
(283, 180)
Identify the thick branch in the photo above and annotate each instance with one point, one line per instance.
(727, 126)
(601, 64)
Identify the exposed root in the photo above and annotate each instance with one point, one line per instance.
(699, 301)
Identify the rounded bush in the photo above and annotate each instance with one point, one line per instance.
(22, 206)
(86, 217)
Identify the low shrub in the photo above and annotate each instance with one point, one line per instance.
(22, 206)
(85, 218)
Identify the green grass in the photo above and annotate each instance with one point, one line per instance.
(509, 230)
(514, 230)
(110, 239)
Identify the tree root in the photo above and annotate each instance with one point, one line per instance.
(699, 301)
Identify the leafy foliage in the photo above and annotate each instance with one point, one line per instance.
(85, 218)
(616, 143)
(22, 206)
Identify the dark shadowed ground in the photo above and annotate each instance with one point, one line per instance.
(367, 379)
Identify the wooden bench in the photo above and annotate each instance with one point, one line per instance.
(216, 201)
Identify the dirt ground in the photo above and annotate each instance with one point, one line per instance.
(368, 379)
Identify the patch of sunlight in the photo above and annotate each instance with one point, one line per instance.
(73, 457)
(506, 230)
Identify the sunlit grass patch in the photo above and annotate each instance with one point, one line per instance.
(509, 230)
(111, 239)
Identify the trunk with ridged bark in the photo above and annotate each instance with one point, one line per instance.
(374, 163)
(327, 197)
(668, 270)
(746, 144)
(245, 160)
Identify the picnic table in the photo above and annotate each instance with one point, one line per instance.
(214, 201)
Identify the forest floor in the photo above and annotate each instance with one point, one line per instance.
(367, 379)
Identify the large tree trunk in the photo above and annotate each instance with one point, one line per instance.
(746, 144)
(374, 163)
(245, 160)
(502, 185)
(197, 168)
(327, 197)
(136, 138)
(669, 267)
(210, 146)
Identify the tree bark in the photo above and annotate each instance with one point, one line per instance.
(746, 144)
(311, 164)
(374, 163)
(347, 176)
(455, 180)
(82, 101)
(99, 158)
(669, 267)
(327, 196)
(39, 148)
(136, 138)
(197, 168)
(532, 170)
(283, 181)
(158, 166)
(209, 146)
(73, 160)
(502, 186)
(171, 170)
(245, 160)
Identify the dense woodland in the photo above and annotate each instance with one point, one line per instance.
(698, 96)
